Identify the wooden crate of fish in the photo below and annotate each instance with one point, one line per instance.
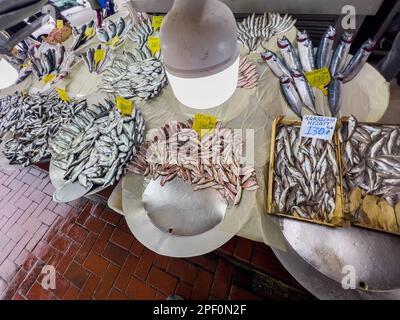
(371, 174)
(304, 180)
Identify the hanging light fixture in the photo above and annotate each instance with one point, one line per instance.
(200, 52)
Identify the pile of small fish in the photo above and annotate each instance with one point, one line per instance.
(294, 86)
(254, 30)
(371, 159)
(8, 107)
(248, 74)
(111, 31)
(33, 120)
(93, 66)
(212, 162)
(136, 75)
(305, 175)
(82, 35)
(141, 32)
(96, 145)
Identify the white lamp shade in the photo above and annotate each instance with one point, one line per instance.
(206, 92)
(8, 74)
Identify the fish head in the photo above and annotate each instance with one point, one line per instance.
(302, 36)
(330, 33)
(368, 45)
(283, 43)
(297, 74)
(348, 37)
(339, 77)
(285, 81)
(267, 55)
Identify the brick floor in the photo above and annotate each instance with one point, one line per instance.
(95, 256)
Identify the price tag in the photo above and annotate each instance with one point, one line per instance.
(48, 77)
(319, 78)
(124, 106)
(25, 64)
(156, 22)
(114, 41)
(204, 122)
(63, 95)
(60, 24)
(89, 32)
(154, 44)
(99, 55)
(317, 127)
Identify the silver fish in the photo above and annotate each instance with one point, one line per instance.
(335, 95)
(340, 54)
(304, 90)
(306, 51)
(276, 65)
(290, 94)
(358, 60)
(324, 52)
(289, 54)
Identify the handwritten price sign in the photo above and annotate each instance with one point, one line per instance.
(319, 78)
(204, 123)
(317, 127)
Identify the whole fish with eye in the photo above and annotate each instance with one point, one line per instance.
(137, 74)
(254, 30)
(164, 154)
(304, 90)
(95, 147)
(290, 94)
(335, 94)
(33, 120)
(325, 48)
(358, 60)
(305, 175)
(289, 54)
(339, 57)
(306, 51)
(371, 159)
(275, 63)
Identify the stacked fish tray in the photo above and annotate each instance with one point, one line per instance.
(370, 161)
(304, 176)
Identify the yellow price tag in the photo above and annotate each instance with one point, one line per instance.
(26, 64)
(124, 106)
(319, 78)
(60, 24)
(154, 44)
(114, 41)
(204, 122)
(89, 32)
(63, 95)
(156, 22)
(48, 77)
(99, 55)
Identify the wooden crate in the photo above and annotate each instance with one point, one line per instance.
(337, 219)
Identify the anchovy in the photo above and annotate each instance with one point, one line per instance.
(335, 94)
(290, 94)
(358, 60)
(276, 65)
(304, 90)
(339, 57)
(324, 52)
(289, 54)
(306, 51)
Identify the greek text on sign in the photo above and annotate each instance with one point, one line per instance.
(63, 94)
(156, 22)
(154, 44)
(124, 106)
(60, 24)
(317, 127)
(319, 78)
(204, 122)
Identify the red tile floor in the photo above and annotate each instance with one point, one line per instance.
(96, 256)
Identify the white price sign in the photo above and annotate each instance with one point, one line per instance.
(317, 127)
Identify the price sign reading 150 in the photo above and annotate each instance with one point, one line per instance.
(317, 127)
